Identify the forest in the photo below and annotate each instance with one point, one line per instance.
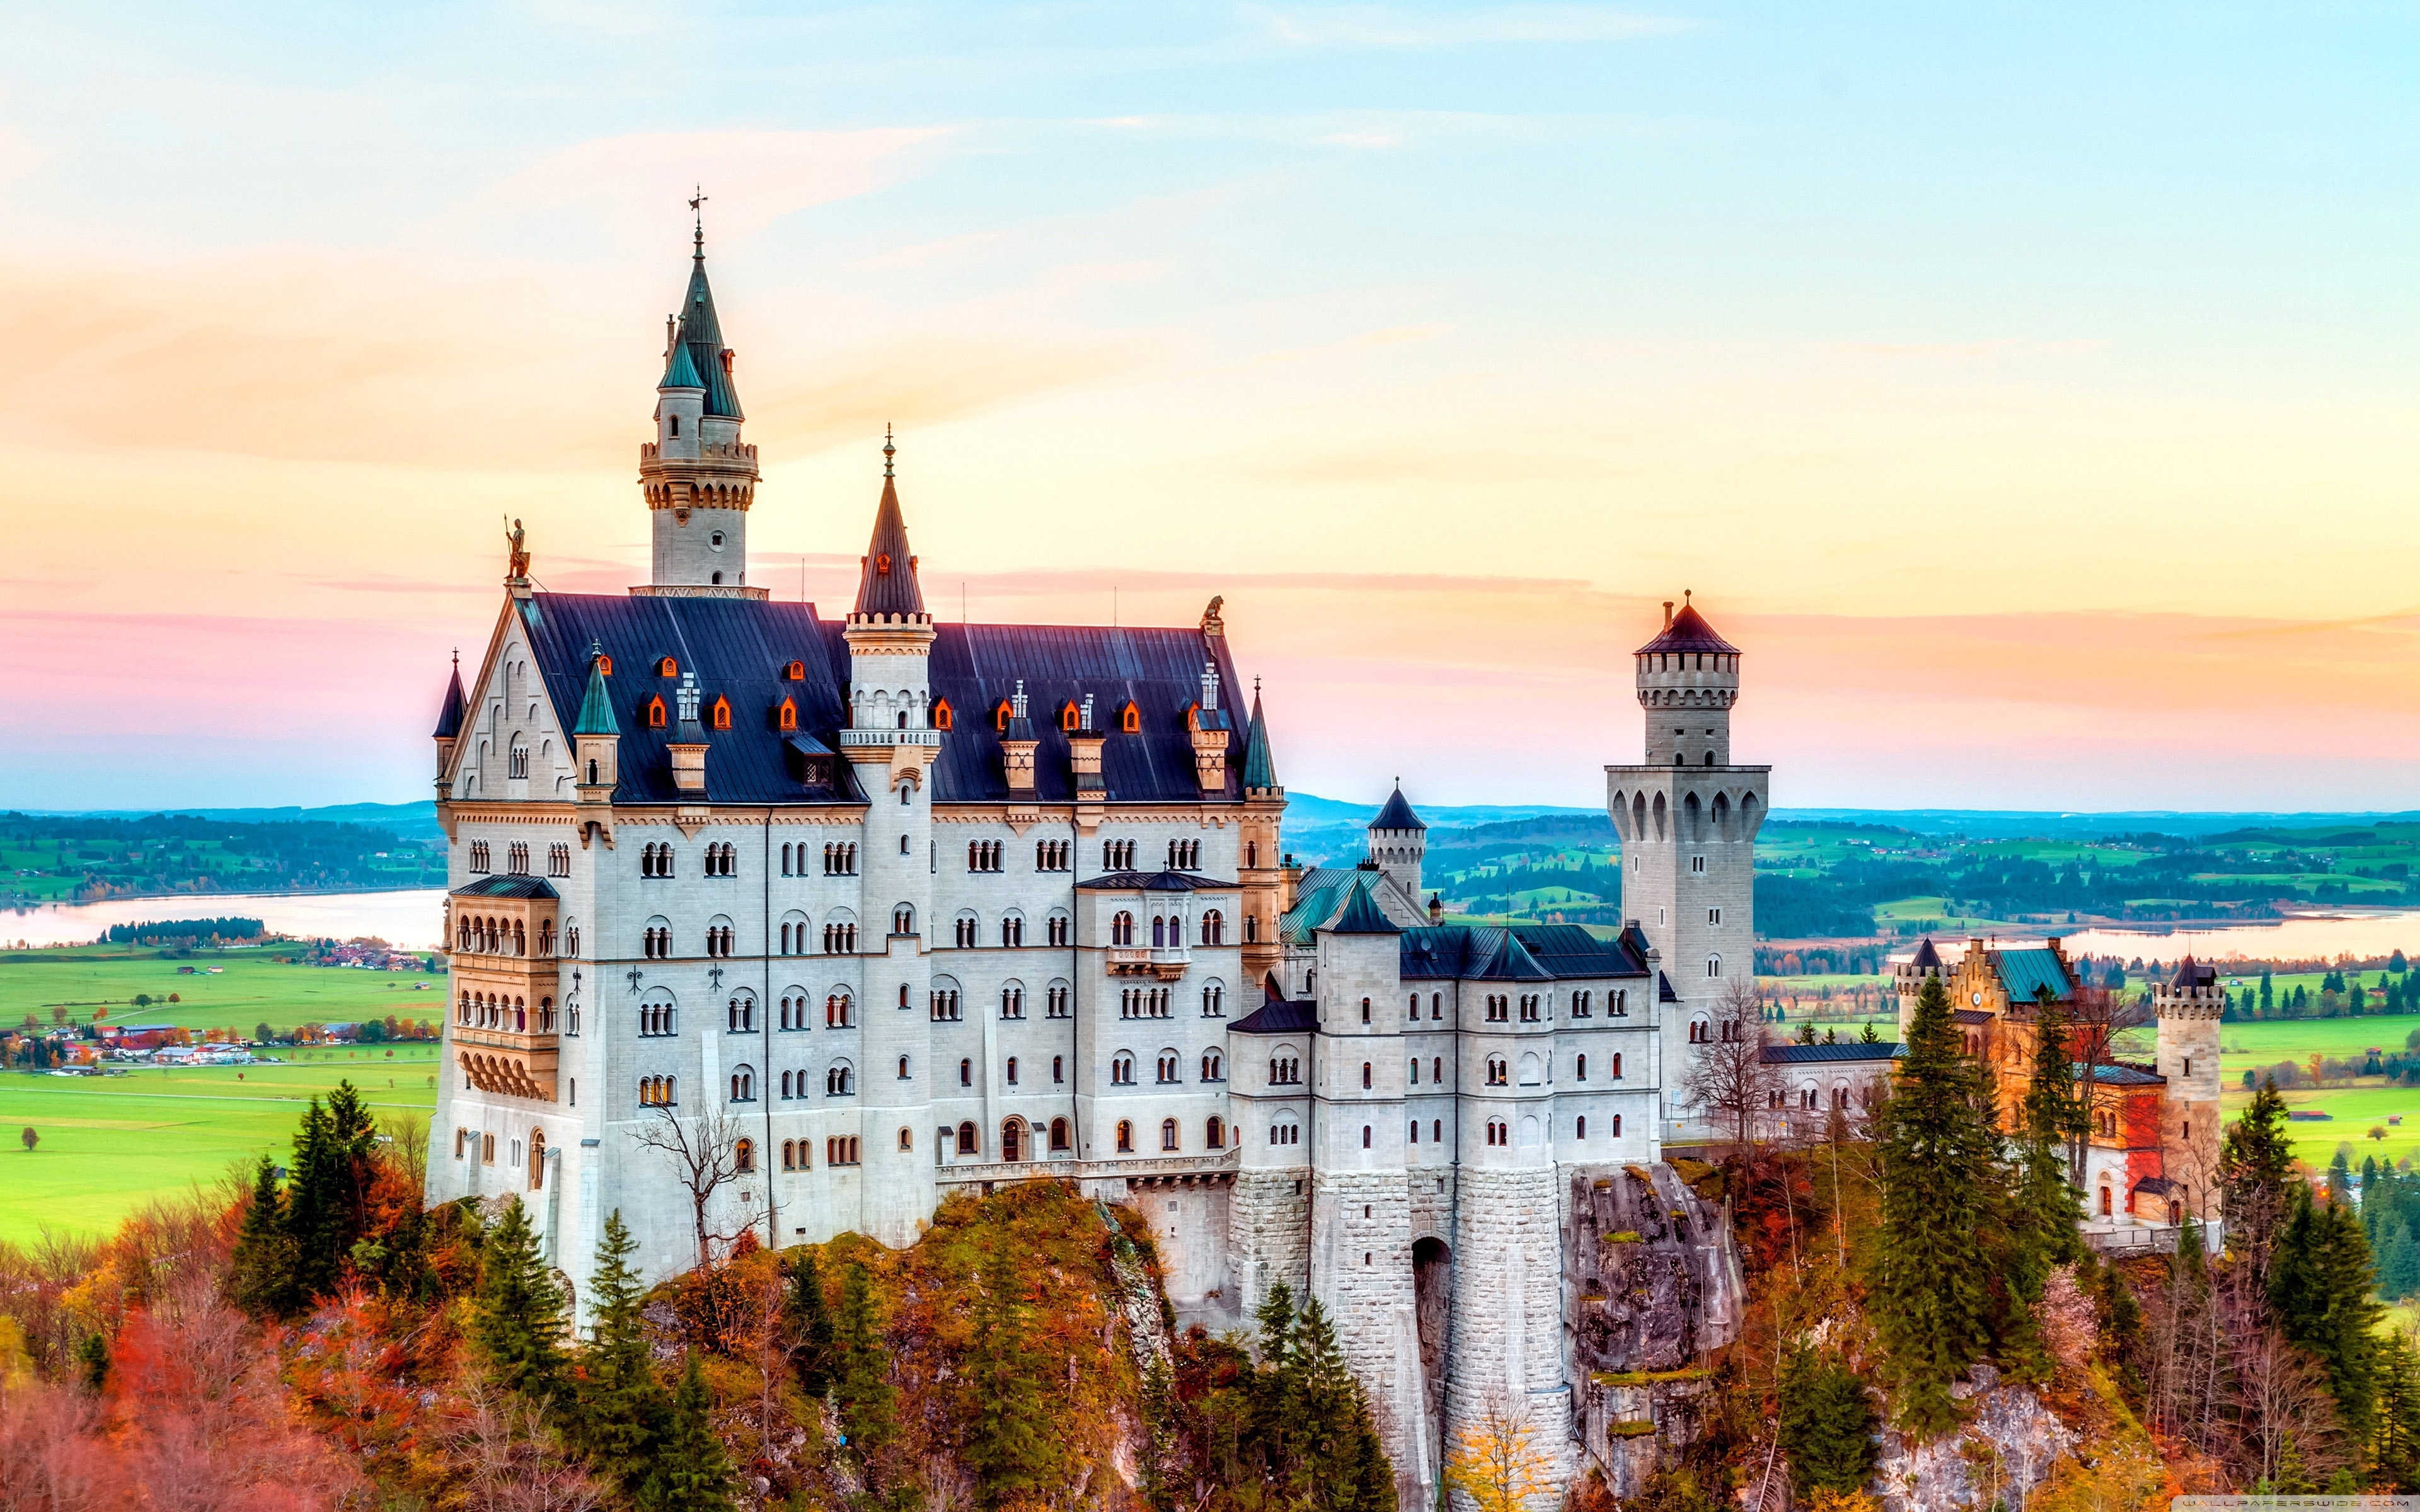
(70, 858)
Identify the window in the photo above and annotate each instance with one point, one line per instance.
(794, 1155)
(795, 673)
(903, 919)
(1012, 1001)
(1122, 1071)
(840, 939)
(841, 1151)
(1215, 1134)
(942, 717)
(1579, 1068)
(718, 714)
(1184, 856)
(962, 931)
(1168, 1071)
(1010, 1071)
(1365, 1144)
(1365, 1076)
(1285, 1133)
(1056, 927)
(656, 1091)
(652, 712)
(1697, 864)
(558, 861)
(1416, 1131)
(1213, 1068)
(1126, 1137)
(1057, 1004)
(965, 1073)
(1580, 1130)
(1713, 915)
(743, 1014)
(1529, 1008)
(1580, 1003)
(1616, 1067)
(983, 855)
(1620, 1000)
(1213, 1001)
(1495, 1071)
(904, 1075)
(1285, 1069)
(840, 1080)
(838, 1012)
(1012, 931)
(666, 667)
(1496, 1132)
(1617, 1126)
(720, 938)
(519, 763)
(1499, 1009)
(1697, 1032)
(1058, 1070)
(656, 941)
(1130, 721)
(721, 859)
(1214, 927)
(479, 863)
(655, 1018)
(1069, 718)
(1167, 1138)
(1117, 854)
(1714, 965)
(1058, 1136)
(1122, 928)
(840, 859)
(1053, 855)
(656, 859)
(743, 1085)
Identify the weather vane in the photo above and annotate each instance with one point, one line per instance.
(696, 202)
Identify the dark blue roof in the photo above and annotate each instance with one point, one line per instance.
(1361, 915)
(701, 335)
(1154, 882)
(1279, 1015)
(1569, 950)
(886, 583)
(2123, 1075)
(1397, 814)
(449, 714)
(1787, 1055)
(1260, 762)
(737, 648)
(506, 886)
(1467, 953)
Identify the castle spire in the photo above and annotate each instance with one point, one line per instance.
(1259, 762)
(698, 477)
(887, 585)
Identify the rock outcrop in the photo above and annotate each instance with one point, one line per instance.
(2006, 1450)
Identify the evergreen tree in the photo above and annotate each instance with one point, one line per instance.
(692, 1474)
(868, 1404)
(327, 1201)
(1938, 1157)
(1826, 1424)
(1807, 1032)
(516, 1319)
(2394, 1445)
(624, 1409)
(1870, 1036)
(810, 1323)
(2268, 991)
(2043, 1209)
(1338, 1465)
(260, 1273)
(2256, 1165)
(1009, 1445)
(2320, 1288)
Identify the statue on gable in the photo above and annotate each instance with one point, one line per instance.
(518, 572)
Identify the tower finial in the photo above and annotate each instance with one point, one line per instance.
(889, 451)
(1684, 598)
(696, 204)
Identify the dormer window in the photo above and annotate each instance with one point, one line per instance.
(1000, 715)
(786, 716)
(795, 673)
(605, 664)
(942, 717)
(666, 667)
(1070, 718)
(653, 711)
(720, 717)
(1130, 720)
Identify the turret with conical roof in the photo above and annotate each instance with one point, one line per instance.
(449, 723)
(597, 737)
(698, 476)
(1260, 762)
(887, 591)
(1689, 678)
(1399, 844)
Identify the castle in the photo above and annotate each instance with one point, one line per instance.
(766, 923)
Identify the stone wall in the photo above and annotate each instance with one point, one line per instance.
(1268, 1218)
(1506, 1344)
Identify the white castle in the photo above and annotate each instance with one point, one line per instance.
(899, 907)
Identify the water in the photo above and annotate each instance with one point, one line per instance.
(2313, 937)
(411, 919)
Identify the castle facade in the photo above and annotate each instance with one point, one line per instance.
(763, 921)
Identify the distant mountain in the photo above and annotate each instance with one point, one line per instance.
(405, 821)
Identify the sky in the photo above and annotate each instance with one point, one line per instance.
(2028, 389)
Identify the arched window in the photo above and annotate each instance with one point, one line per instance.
(719, 715)
(786, 716)
(1130, 720)
(654, 712)
(743, 1155)
(1714, 965)
(1168, 1136)
(1215, 1136)
(795, 673)
(1058, 1136)
(1121, 1070)
(1365, 1136)
(743, 1085)
(1617, 1066)
(1365, 1076)
(967, 1144)
(1579, 1068)
(1213, 1068)
(743, 1014)
(1122, 928)
(1581, 1131)
(944, 718)
(1214, 927)
(840, 1080)
(903, 919)
(1070, 719)
(1125, 1136)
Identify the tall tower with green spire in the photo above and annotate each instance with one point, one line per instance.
(698, 476)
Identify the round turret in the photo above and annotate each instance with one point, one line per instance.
(1689, 678)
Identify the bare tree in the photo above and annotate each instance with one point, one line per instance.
(2095, 1018)
(1730, 1077)
(505, 1458)
(705, 1153)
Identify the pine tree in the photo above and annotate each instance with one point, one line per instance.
(2268, 991)
(1938, 1149)
(2043, 1209)
(809, 1322)
(869, 1413)
(2255, 1167)
(623, 1409)
(1870, 1036)
(1826, 1424)
(1338, 1465)
(517, 1321)
(326, 1203)
(260, 1273)
(1008, 1446)
(1807, 1032)
(2320, 1288)
(692, 1474)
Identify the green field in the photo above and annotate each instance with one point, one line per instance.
(250, 989)
(110, 1144)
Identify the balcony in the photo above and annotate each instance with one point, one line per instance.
(506, 1062)
(1166, 963)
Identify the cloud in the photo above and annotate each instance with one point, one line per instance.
(1398, 27)
(630, 186)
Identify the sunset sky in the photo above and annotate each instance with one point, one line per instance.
(2032, 392)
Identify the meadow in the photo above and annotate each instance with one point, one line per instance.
(249, 988)
(108, 1144)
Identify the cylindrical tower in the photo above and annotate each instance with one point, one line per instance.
(1689, 678)
(698, 476)
(2190, 1006)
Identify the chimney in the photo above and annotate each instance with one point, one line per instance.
(688, 744)
(1210, 735)
(1016, 745)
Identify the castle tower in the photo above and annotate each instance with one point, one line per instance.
(1688, 819)
(1909, 977)
(1398, 841)
(2189, 1006)
(1360, 1219)
(449, 727)
(698, 476)
(1263, 873)
(893, 748)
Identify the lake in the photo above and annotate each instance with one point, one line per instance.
(2313, 937)
(411, 918)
